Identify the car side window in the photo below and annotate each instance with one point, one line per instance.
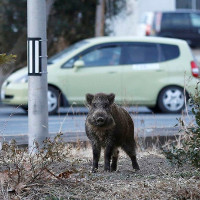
(100, 56)
(104, 56)
(69, 63)
(140, 53)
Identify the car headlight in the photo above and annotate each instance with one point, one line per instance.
(22, 79)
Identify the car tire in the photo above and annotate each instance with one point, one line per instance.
(171, 100)
(53, 100)
(25, 108)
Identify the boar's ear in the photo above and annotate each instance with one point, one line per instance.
(89, 98)
(111, 98)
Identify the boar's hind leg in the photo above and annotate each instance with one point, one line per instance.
(129, 148)
(96, 155)
(114, 160)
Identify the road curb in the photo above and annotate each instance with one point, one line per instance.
(148, 137)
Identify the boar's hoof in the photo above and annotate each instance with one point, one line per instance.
(113, 167)
(107, 169)
(136, 166)
(94, 170)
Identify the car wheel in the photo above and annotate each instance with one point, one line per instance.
(52, 96)
(171, 100)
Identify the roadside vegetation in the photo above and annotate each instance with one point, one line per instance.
(6, 59)
(60, 171)
(188, 149)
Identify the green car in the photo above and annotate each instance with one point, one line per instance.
(146, 71)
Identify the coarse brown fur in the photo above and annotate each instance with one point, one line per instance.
(109, 126)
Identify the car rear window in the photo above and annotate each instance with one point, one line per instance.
(169, 52)
(140, 53)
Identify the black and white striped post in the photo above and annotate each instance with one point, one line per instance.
(34, 56)
(37, 73)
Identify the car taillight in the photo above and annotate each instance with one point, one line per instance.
(195, 69)
(148, 30)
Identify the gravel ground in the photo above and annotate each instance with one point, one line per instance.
(157, 179)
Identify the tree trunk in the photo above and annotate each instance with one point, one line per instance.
(99, 21)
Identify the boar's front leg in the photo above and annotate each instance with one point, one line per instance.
(96, 155)
(114, 160)
(107, 157)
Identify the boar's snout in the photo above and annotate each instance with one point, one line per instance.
(100, 118)
(100, 121)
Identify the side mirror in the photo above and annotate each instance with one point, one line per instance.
(78, 64)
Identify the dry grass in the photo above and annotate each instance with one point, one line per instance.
(72, 179)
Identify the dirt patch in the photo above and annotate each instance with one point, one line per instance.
(157, 179)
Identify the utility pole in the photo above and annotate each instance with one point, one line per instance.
(37, 71)
(99, 21)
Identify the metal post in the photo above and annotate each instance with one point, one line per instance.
(37, 81)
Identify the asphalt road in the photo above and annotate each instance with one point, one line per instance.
(14, 122)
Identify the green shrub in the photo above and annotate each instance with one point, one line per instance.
(189, 148)
(5, 59)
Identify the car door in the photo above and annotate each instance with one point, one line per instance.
(142, 74)
(101, 73)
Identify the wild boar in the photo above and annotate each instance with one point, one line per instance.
(109, 126)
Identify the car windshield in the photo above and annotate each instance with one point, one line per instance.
(66, 51)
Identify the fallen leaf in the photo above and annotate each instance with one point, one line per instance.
(65, 174)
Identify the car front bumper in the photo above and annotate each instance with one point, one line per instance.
(15, 94)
